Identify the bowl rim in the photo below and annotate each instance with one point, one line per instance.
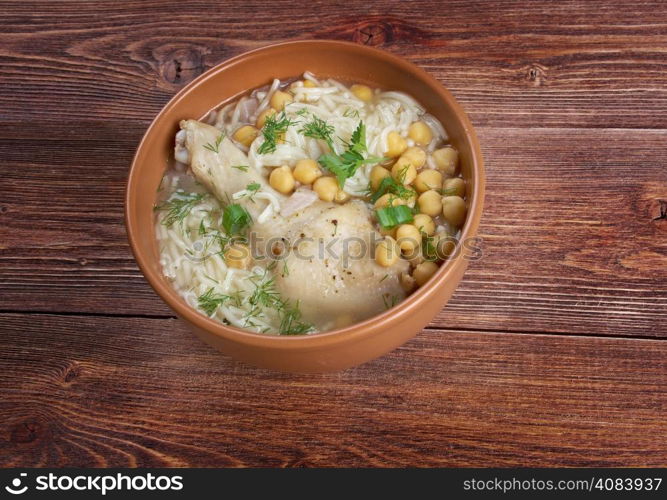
(374, 324)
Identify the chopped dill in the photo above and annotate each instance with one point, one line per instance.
(384, 278)
(275, 126)
(202, 228)
(178, 207)
(210, 301)
(242, 168)
(285, 272)
(319, 129)
(291, 324)
(215, 148)
(390, 185)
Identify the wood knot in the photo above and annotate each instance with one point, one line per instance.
(180, 65)
(659, 210)
(27, 431)
(536, 75)
(4, 209)
(374, 33)
(71, 372)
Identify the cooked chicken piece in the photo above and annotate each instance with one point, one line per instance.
(329, 266)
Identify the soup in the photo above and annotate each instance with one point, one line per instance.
(308, 205)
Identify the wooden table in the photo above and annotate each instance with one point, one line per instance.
(553, 350)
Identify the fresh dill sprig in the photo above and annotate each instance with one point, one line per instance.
(215, 148)
(319, 129)
(242, 168)
(265, 293)
(290, 322)
(392, 186)
(345, 165)
(210, 301)
(179, 206)
(274, 127)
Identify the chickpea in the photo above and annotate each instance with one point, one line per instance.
(238, 256)
(430, 203)
(306, 171)
(261, 119)
(363, 92)
(280, 99)
(424, 271)
(424, 223)
(416, 156)
(387, 252)
(282, 180)
(447, 160)
(454, 186)
(308, 84)
(377, 174)
(444, 245)
(420, 133)
(403, 171)
(388, 232)
(342, 196)
(408, 237)
(326, 188)
(396, 145)
(454, 210)
(390, 199)
(245, 135)
(412, 200)
(428, 179)
(415, 258)
(407, 282)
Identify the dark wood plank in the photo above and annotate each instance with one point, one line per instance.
(143, 392)
(572, 239)
(570, 63)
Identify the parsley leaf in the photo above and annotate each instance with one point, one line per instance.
(235, 219)
(345, 165)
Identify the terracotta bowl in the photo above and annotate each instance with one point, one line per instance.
(327, 351)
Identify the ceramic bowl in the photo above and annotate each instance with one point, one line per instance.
(332, 350)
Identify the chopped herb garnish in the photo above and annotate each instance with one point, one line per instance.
(390, 217)
(319, 129)
(178, 207)
(285, 272)
(429, 250)
(345, 165)
(351, 113)
(210, 301)
(274, 127)
(384, 278)
(235, 219)
(202, 228)
(215, 148)
(389, 300)
(390, 185)
(291, 324)
(242, 168)
(265, 293)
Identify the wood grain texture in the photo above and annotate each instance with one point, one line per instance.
(551, 352)
(137, 392)
(543, 63)
(570, 238)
